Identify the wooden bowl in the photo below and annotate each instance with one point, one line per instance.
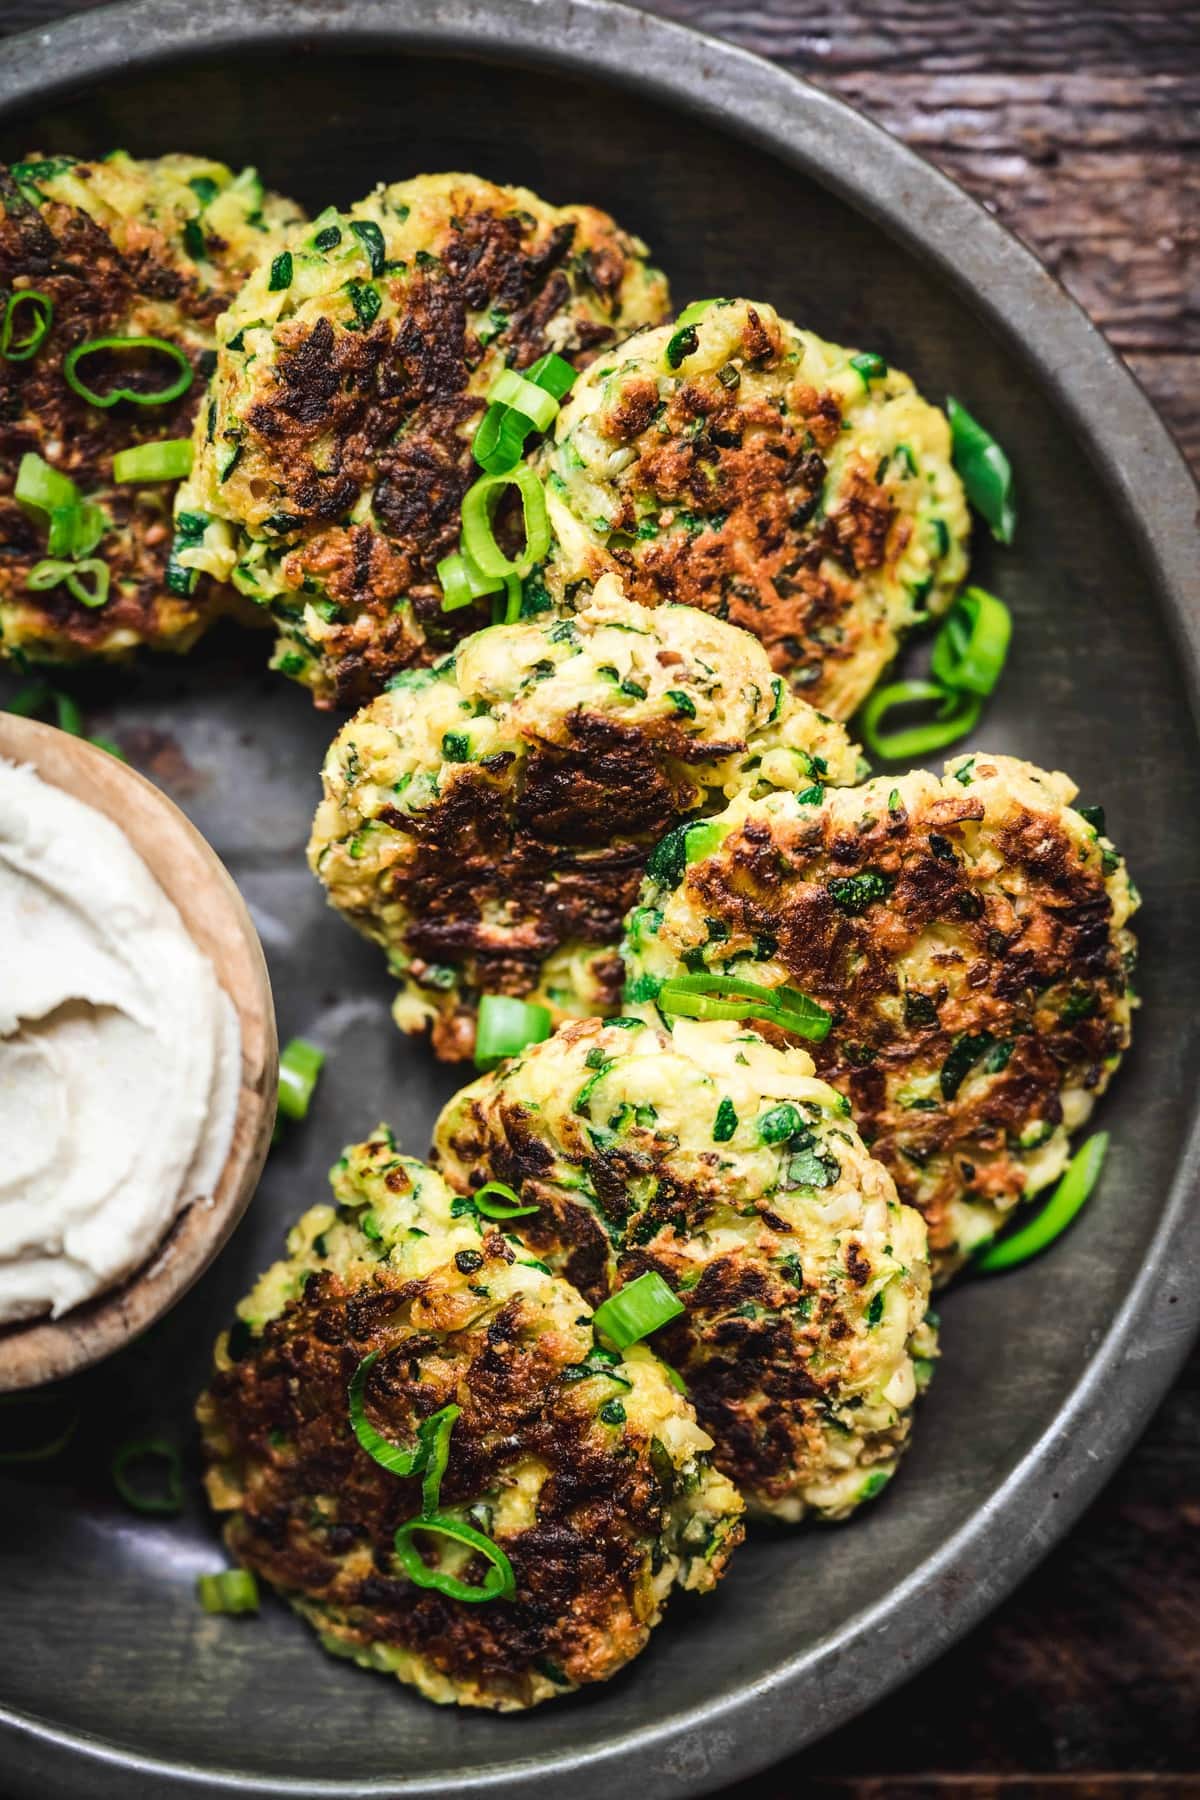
(198, 884)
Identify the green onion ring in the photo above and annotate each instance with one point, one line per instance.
(505, 1026)
(434, 1434)
(50, 572)
(985, 471)
(1078, 1180)
(462, 583)
(969, 651)
(42, 486)
(479, 543)
(500, 1583)
(395, 1458)
(162, 397)
(232, 1591)
(149, 1450)
(506, 1205)
(553, 373)
(49, 1447)
(710, 996)
(300, 1063)
(166, 459)
(956, 715)
(636, 1310)
(525, 397)
(506, 607)
(499, 441)
(39, 331)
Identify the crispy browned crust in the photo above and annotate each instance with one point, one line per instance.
(565, 856)
(394, 403)
(1013, 970)
(751, 479)
(283, 1409)
(60, 251)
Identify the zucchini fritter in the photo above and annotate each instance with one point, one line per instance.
(349, 382)
(791, 486)
(488, 820)
(719, 1161)
(969, 936)
(122, 249)
(588, 1470)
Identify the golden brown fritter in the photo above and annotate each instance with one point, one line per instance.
(122, 249)
(488, 821)
(969, 937)
(348, 387)
(740, 464)
(719, 1162)
(587, 1469)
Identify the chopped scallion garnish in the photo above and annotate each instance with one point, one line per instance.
(478, 539)
(985, 470)
(498, 1584)
(953, 716)
(232, 1591)
(970, 649)
(462, 583)
(633, 1312)
(121, 347)
(496, 1200)
(300, 1064)
(1073, 1189)
(710, 996)
(51, 571)
(23, 336)
(506, 1026)
(159, 1460)
(168, 459)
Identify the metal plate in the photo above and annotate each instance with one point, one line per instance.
(744, 180)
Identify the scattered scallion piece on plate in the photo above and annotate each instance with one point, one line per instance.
(160, 1460)
(633, 1312)
(506, 1026)
(985, 471)
(1075, 1186)
(22, 337)
(167, 459)
(39, 1442)
(971, 646)
(953, 715)
(232, 1591)
(300, 1064)
(121, 347)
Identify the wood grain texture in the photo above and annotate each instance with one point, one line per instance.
(1078, 123)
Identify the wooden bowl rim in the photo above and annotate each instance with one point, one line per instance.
(215, 915)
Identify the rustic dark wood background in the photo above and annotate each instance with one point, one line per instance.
(1078, 123)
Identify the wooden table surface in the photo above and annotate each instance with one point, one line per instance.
(1078, 123)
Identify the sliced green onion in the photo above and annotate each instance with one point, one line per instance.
(505, 1026)
(499, 441)
(478, 540)
(42, 487)
(434, 1434)
(38, 696)
(1079, 1179)
(299, 1065)
(525, 397)
(166, 460)
(552, 373)
(120, 345)
(635, 1311)
(62, 1430)
(166, 1495)
(969, 651)
(954, 716)
(76, 529)
(49, 572)
(985, 470)
(708, 996)
(462, 583)
(500, 1583)
(695, 311)
(15, 347)
(506, 607)
(394, 1457)
(232, 1591)
(507, 1203)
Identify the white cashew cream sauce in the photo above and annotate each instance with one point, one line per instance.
(119, 1055)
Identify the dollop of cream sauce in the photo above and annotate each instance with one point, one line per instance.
(119, 1055)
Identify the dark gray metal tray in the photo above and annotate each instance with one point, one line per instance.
(744, 180)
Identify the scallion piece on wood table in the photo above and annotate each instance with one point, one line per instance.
(300, 1064)
(121, 347)
(498, 1584)
(985, 471)
(160, 1486)
(506, 1026)
(1030, 1240)
(633, 1312)
(953, 716)
(167, 459)
(232, 1591)
(28, 315)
